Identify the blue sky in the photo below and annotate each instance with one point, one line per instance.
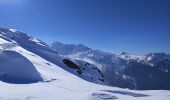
(134, 26)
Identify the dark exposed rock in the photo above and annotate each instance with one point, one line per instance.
(72, 65)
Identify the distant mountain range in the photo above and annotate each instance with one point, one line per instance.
(150, 71)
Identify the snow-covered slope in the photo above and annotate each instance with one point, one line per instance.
(124, 70)
(15, 68)
(15, 39)
(30, 70)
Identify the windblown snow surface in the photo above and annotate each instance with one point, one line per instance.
(30, 70)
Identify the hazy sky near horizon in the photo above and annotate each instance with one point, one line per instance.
(134, 26)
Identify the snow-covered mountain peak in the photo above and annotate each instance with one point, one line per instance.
(17, 36)
(127, 56)
(155, 56)
(154, 59)
(13, 30)
(124, 55)
(67, 49)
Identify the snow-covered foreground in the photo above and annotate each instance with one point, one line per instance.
(59, 90)
(74, 89)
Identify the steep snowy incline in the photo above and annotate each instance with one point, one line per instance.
(15, 39)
